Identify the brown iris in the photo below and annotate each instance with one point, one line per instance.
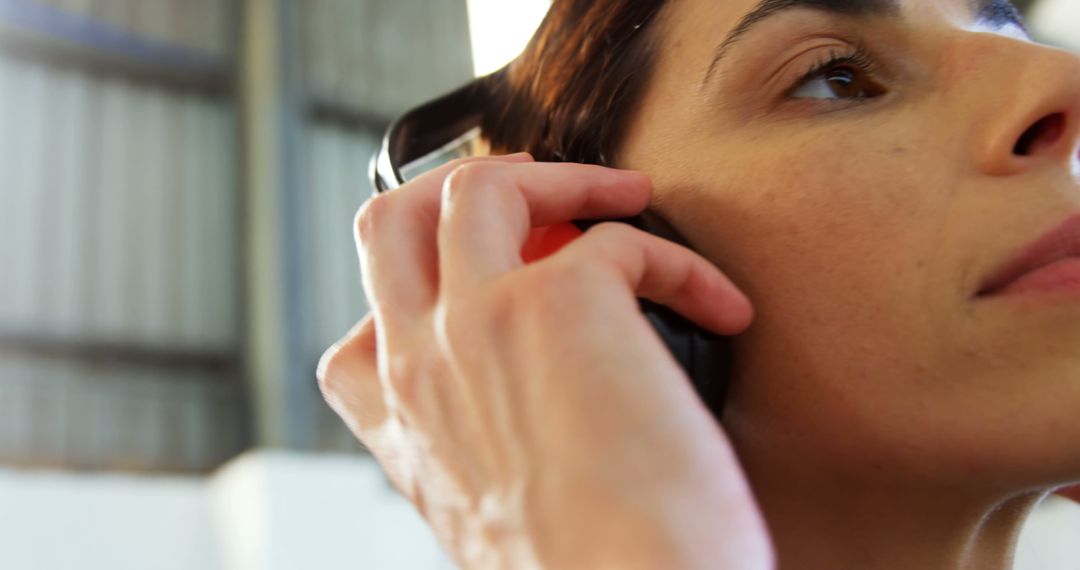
(847, 82)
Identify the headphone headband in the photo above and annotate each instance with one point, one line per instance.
(432, 133)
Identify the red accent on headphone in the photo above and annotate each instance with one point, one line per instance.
(546, 240)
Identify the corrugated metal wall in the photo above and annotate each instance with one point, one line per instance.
(365, 62)
(121, 262)
(119, 211)
(382, 57)
(119, 219)
(355, 58)
(337, 184)
(205, 26)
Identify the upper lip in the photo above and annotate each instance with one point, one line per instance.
(1059, 243)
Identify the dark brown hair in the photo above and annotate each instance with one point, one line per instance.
(569, 95)
(569, 98)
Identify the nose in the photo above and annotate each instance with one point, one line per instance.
(1032, 119)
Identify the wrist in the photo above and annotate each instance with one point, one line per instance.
(602, 529)
(693, 525)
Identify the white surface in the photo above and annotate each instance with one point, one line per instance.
(263, 511)
(63, 521)
(283, 511)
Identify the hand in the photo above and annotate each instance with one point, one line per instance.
(529, 411)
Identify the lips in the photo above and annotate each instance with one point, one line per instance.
(1053, 247)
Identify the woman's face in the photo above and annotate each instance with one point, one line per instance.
(860, 207)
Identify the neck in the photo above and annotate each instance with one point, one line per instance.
(840, 524)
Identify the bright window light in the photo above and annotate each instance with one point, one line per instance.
(500, 30)
(1057, 21)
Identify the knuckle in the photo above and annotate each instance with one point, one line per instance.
(403, 376)
(469, 177)
(461, 161)
(373, 215)
(607, 235)
(457, 322)
(328, 371)
(556, 285)
(614, 229)
(561, 272)
(334, 366)
(611, 243)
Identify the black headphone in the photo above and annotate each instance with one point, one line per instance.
(449, 127)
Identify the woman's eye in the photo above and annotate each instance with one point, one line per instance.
(838, 81)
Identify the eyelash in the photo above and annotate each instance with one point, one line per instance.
(858, 58)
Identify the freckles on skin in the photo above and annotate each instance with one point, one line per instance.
(840, 199)
(828, 240)
(831, 220)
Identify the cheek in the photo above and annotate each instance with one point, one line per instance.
(855, 256)
(840, 260)
(832, 247)
(823, 236)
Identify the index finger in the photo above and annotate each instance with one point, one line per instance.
(488, 210)
(395, 238)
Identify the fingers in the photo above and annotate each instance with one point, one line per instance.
(396, 243)
(466, 222)
(488, 210)
(349, 381)
(664, 272)
(352, 387)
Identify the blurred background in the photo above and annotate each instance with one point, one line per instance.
(177, 185)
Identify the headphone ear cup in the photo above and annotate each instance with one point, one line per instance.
(706, 357)
(546, 240)
(712, 368)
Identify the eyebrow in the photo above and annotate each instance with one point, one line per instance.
(998, 13)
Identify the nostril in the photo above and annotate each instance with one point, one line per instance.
(1042, 134)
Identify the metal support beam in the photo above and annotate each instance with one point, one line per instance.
(39, 30)
(282, 384)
